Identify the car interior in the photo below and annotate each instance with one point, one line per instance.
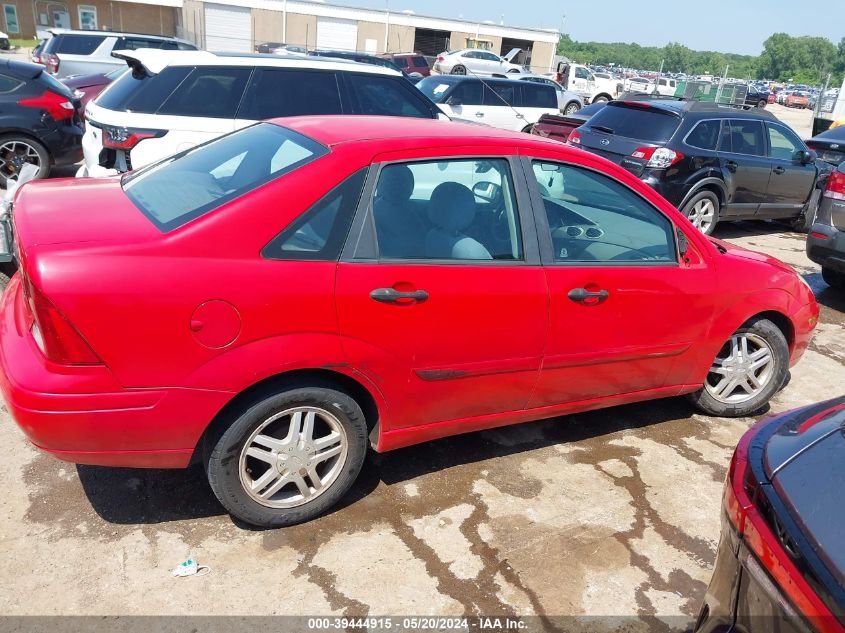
(460, 209)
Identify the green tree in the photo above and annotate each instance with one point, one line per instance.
(677, 58)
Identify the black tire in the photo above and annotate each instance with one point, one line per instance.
(600, 99)
(833, 278)
(762, 103)
(804, 222)
(689, 210)
(9, 166)
(773, 336)
(572, 107)
(458, 70)
(223, 465)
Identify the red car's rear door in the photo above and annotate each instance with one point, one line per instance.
(443, 303)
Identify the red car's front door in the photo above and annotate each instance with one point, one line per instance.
(448, 315)
(624, 313)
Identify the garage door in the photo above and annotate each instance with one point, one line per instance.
(338, 35)
(228, 28)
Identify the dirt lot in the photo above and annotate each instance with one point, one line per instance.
(614, 512)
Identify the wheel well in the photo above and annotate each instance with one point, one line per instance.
(288, 380)
(714, 189)
(570, 103)
(781, 321)
(602, 94)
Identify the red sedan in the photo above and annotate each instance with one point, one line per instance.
(276, 299)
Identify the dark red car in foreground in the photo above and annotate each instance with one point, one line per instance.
(781, 561)
(274, 300)
(87, 87)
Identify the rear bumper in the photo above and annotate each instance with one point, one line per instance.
(83, 415)
(827, 251)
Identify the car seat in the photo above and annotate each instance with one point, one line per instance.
(452, 210)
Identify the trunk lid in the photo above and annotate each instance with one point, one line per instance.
(71, 211)
(804, 461)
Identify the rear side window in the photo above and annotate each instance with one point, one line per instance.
(283, 92)
(538, 96)
(387, 96)
(209, 91)
(144, 95)
(74, 44)
(320, 232)
(188, 185)
(743, 137)
(646, 124)
(705, 135)
(419, 62)
(134, 43)
(500, 95)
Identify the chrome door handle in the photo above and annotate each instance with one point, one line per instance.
(391, 295)
(778, 170)
(479, 114)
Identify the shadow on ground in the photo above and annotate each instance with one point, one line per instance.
(147, 496)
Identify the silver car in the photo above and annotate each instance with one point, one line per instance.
(567, 101)
(474, 61)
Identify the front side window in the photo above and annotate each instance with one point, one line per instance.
(466, 93)
(287, 92)
(183, 187)
(208, 91)
(743, 137)
(447, 210)
(502, 95)
(783, 144)
(581, 73)
(381, 95)
(595, 219)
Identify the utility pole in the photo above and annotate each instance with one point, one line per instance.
(386, 24)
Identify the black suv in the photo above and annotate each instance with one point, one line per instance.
(712, 162)
(40, 120)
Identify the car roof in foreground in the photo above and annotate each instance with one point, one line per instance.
(155, 60)
(334, 130)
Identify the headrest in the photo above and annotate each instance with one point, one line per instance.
(452, 206)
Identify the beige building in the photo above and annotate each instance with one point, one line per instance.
(241, 25)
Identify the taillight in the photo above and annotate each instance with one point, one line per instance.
(440, 58)
(835, 186)
(574, 138)
(51, 61)
(127, 138)
(54, 334)
(58, 106)
(741, 492)
(657, 157)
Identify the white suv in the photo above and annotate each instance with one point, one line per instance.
(172, 101)
(67, 52)
(502, 103)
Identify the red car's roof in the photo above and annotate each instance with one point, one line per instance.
(331, 130)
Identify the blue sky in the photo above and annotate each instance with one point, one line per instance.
(731, 26)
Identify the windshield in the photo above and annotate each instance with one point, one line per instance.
(652, 125)
(186, 186)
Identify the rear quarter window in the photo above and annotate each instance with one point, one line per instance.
(74, 44)
(381, 95)
(646, 124)
(183, 187)
(8, 84)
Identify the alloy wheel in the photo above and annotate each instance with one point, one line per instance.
(743, 368)
(293, 457)
(14, 155)
(459, 70)
(702, 214)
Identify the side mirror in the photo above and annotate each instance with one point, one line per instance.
(683, 243)
(808, 157)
